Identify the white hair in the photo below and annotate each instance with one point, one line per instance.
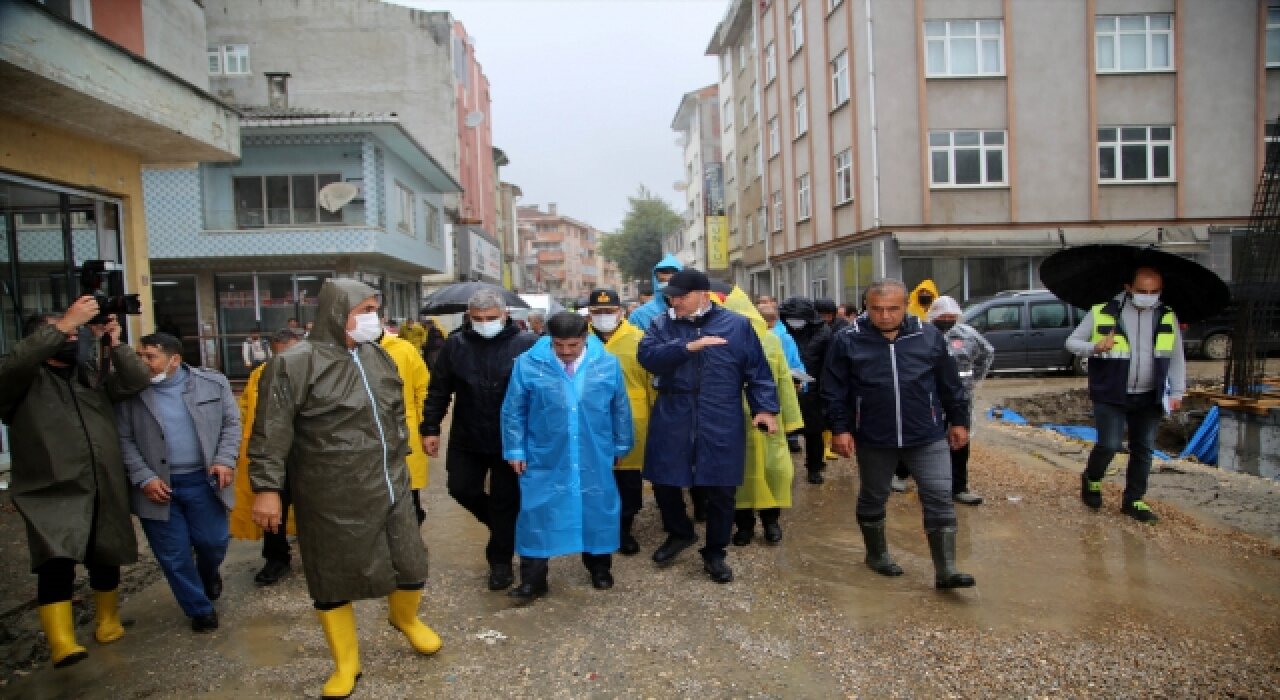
(486, 299)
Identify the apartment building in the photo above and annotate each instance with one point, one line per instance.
(703, 242)
(734, 42)
(965, 140)
(559, 255)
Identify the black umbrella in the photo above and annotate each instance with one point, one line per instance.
(1092, 274)
(453, 299)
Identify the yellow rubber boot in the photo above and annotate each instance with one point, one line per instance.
(59, 627)
(107, 604)
(340, 632)
(404, 617)
(826, 444)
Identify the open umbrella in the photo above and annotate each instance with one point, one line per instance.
(453, 299)
(1092, 274)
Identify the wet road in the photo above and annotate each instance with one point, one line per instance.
(1069, 603)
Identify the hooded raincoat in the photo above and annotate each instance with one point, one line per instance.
(695, 432)
(971, 351)
(569, 431)
(623, 344)
(333, 417)
(414, 375)
(643, 316)
(768, 472)
(241, 518)
(913, 300)
(68, 475)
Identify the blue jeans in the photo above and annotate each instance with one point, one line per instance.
(197, 520)
(1141, 413)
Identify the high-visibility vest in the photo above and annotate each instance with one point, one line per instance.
(1109, 371)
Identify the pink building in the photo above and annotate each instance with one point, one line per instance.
(476, 169)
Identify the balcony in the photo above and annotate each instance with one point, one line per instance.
(550, 256)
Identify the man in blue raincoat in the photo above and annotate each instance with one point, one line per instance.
(566, 421)
(705, 358)
(657, 306)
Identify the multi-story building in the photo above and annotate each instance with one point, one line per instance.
(703, 242)
(559, 254)
(965, 140)
(734, 42)
(508, 233)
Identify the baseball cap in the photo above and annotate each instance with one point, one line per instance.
(685, 281)
(603, 297)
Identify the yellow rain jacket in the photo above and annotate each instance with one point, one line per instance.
(242, 525)
(414, 375)
(913, 301)
(623, 345)
(769, 470)
(415, 335)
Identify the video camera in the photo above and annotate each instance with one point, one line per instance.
(104, 281)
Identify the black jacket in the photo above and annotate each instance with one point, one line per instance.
(899, 394)
(813, 340)
(476, 370)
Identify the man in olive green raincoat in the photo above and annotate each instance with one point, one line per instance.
(69, 481)
(331, 413)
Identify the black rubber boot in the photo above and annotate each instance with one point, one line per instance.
(942, 545)
(877, 550)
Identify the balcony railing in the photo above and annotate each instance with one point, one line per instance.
(352, 214)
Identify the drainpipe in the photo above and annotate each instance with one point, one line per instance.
(875, 128)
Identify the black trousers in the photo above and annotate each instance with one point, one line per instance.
(275, 545)
(56, 579)
(631, 492)
(959, 470)
(497, 508)
(335, 604)
(745, 518)
(534, 569)
(719, 508)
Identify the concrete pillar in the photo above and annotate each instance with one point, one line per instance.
(1249, 443)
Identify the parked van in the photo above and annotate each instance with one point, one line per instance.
(1028, 330)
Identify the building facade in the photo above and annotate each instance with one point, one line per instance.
(965, 140)
(703, 242)
(559, 255)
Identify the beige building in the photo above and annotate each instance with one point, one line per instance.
(559, 255)
(699, 121)
(965, 140)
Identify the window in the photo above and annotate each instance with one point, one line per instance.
(746, 115)
(966, 158)
(797, 29)
(1125, 43)
(964, 48)
(235, 59)
(775, 202)
(844, 177)
(433, 224)
(726, 63)
(1135, 154)
(408, 213)
(755, 100)
(759, 162)
(1006, 317)
(802, 197)
(1273, 37)
(742, 57)
(727, 113)
(730, 167)
(770, 63)
(801, 105)
(762, 220)
(215, 61)
(833, 4)
(1049, 314)
(840, 79)
(746, 164)
(748, 227)
(281, 200)
(775, 140)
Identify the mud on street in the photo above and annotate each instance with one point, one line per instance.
(1069, 603)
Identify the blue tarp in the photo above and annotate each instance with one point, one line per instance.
(1007, 415)
(1204, 444)
(1090, 434)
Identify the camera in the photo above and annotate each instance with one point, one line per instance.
(104, 281)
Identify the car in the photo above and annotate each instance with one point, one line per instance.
(1211, 338)
(1029, 330)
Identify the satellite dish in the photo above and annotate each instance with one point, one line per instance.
(680, 186)
(336, 194)
(473, 119)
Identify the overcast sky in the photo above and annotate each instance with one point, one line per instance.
(584, 92)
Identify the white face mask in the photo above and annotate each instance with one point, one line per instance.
(796, 323)
(488, 329)
(605, 323)
(368, 328)
(157, 378)
(1145, 301)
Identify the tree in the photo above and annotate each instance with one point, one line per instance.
(637, 246)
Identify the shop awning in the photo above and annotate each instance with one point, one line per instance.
(1039, 241)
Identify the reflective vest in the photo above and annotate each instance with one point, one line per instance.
(1109, 371)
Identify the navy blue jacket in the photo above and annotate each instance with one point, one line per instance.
(899, 394)
(697, 431)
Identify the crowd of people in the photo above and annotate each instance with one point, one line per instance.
(553, 431)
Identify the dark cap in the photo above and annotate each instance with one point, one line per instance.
(685, 281)
(603, 297)
(824, 306)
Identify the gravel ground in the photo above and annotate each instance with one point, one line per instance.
(1069, 603)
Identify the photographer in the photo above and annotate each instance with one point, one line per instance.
(68, 477)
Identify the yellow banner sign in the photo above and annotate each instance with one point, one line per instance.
(717, 243)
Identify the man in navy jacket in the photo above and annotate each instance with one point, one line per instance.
(890, 384)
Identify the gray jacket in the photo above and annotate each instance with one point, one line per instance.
(217, 417)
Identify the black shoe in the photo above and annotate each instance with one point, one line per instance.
(718, 570)
(527, 592)
(671, 548)
(602, 579)
(272, 571)
(816, 477)
(213, 589)
(205, 623)
(743, 536)
(772, 533)
(1090, 492)
(500, 577)
(629, 545)
(793, 444)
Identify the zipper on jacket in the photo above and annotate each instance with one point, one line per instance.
(373, 406)
(1134, 355)
(897, 397)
